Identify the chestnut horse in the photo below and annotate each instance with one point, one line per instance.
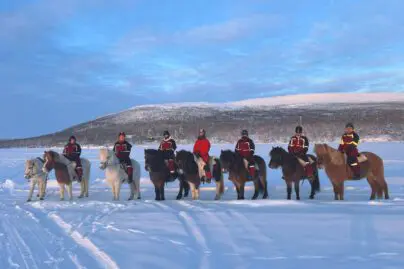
(338, 170)
(234, 164)
(65, 173)
(189, 172)
(293, 171)
(160, 174)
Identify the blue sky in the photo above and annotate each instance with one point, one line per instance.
(65, 62)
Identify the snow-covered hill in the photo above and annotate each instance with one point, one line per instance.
(378, 116)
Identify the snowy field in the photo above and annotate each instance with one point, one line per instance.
(275, 233)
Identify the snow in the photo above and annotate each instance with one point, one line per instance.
(275, 233)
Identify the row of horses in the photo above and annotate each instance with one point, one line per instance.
(190, 173)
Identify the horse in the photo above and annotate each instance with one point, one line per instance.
(235, 165)
(188, 168)
(160, 174)
(337, 169)
(115, 174)
(65, 173)
(293, 171)
(34, 174)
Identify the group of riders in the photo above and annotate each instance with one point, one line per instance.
(298, 146)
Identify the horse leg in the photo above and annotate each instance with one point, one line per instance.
(242, 191)
(186, 189)
(70, 190)
(265, 186)
(312, 191)
(256, 188)
(297, 189)
(113, 186)
(289, 189)
(219, 188)
(157, 192)
(335, 187)
(62, 191)
(132, 191)
(82, 188)
(179, 195)
(162, 196)
(118, 190)
(31, 189)
(373, 186)
(341, 190)
(383, 185)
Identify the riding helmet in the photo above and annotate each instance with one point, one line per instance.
(299, 129)
(72, 137)
(244, 133)
(122, 133)
(166, 133)
(349, 125)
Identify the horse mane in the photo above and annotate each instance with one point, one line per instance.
(235, 160)
(155, 159)
(285, 157)
(190, 166)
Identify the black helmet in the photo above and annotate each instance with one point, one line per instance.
(244, 133)
(122, 133)
(72, 137)
(166, 133)
(349, 125)
(202, 131)
(299, 129)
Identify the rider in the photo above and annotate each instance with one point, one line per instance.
(246, 147)
(201, 150)
(72, 152)
(349, 146)
(298, 146)
(168, 146)
(122, 150)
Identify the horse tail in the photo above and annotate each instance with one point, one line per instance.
(218, 175)
(262, 182)
(316, 179)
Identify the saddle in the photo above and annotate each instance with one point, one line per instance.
(361, 158)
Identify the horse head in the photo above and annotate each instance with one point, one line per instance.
(29, 169)
(277, 155)
(227, 159)
(185, 161)
(153, 160)
(49, 157)
(105, 156)
(321, 151)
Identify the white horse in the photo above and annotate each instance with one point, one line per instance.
(54, 160)
(34, 174)
(116, 175)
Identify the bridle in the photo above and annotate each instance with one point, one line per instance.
(31, 173)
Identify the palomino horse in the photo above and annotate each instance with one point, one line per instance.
(115, 174)
(188, 168)
(33, 172)
(65, 173)
(160, 174)
(338, 170)
(234, 163)
(293, 171)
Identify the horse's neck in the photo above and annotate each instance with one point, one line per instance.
(38, 166)
(113, 158)
(62, 159)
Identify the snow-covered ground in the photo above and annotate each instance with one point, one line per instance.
(275, 233)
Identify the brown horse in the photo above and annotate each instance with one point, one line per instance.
(160, 175)
(338, 170)
(234, 164)
(53, 161)
(293, 171)
(189, 172)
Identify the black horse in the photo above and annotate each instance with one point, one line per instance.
(233, 163)
(160, 174)
(293, 172)
(188, 168)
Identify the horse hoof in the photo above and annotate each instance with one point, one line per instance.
(62, 199)
(28, 200)
(265, 196)
(130, 199)
(217, 197)
(254, 197)
(311, 197)
(41, 198)
(80, 196)
(179, 197)
(37, 195)
(298, 198)
(139, 198)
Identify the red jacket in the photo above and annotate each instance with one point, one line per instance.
(348, 142)
(122, 150)
(72, 150)
(245, 147)
(298, 144)
(168, 144)
(202, 147)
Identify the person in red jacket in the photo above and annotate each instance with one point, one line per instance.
(298, 146)
(168, 147)
(349, 146)
(201, 150)
(246, 148)
(122, 150)
(72, 151)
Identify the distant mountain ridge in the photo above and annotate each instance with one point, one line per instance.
(378, 116)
